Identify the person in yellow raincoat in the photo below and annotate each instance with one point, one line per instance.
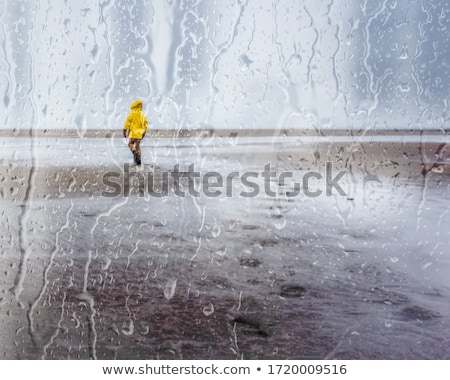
(135, 128)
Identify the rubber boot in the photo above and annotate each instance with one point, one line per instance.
(138, 159)
(135, 157)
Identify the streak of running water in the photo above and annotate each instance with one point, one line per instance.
(28, 91)
(86, 295)
(42, 293)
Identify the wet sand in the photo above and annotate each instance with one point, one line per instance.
(357, 276)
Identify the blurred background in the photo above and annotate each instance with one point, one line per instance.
(358, 65)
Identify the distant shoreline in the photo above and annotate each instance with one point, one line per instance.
(232, 133)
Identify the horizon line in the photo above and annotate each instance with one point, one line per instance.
(231, 133)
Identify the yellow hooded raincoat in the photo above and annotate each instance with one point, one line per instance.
(136, 123)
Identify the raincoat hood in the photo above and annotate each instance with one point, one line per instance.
(136, 123)
(136, 104)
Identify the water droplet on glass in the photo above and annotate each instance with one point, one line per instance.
(215, 231)
(128, 329)
(208, 309)
(169, 289)
(280, 223)
(245, 61)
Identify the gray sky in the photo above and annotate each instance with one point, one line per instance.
(225, 64)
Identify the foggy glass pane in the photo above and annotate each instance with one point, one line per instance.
(293, 196)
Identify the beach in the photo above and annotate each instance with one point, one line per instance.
(100, 263)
